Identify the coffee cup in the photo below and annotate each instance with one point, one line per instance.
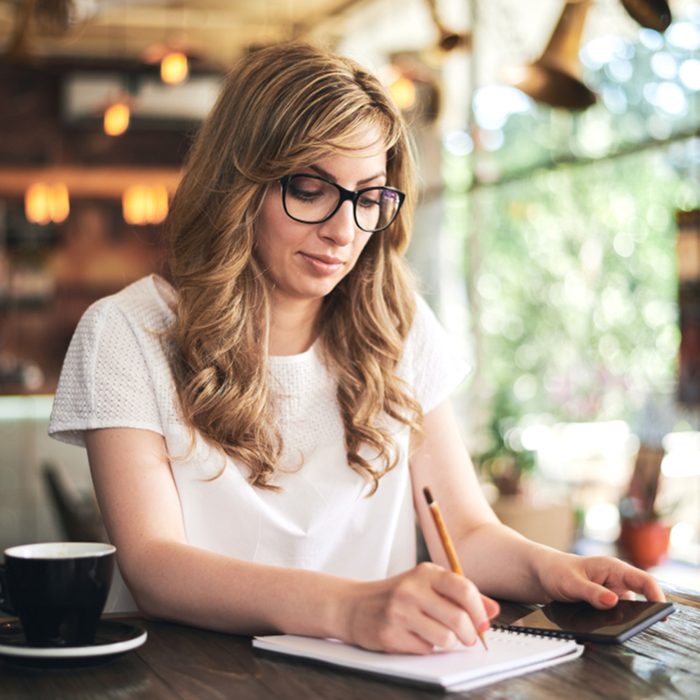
(57, 589)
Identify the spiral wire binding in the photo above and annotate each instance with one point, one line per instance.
(532, 632)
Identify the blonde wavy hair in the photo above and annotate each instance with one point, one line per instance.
(283, 108)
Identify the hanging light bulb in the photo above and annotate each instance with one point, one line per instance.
(159, 207)
(403, 90)
(134, 205)
(116, 118)
(36, 204)
(59, 203)
(174, 67)
(554, 78)
(142, 204)
(652, 14)
(44, 203)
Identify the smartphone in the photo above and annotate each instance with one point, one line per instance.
(584, 623)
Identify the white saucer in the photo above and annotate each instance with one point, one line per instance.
(112, 638)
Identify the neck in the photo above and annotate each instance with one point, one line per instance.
(293, 325)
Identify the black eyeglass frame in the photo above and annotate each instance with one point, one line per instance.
(345, 195)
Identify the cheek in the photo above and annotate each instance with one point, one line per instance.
(361, 242)
(268, 230)
(262, 241)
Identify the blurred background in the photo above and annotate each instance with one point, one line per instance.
(557, 232)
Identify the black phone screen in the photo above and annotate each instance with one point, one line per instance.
(583, 622)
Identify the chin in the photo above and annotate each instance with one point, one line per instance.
(317, 289)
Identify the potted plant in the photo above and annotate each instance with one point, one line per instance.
(502, 463)
(644, 528)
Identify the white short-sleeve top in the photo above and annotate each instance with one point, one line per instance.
(116, 374)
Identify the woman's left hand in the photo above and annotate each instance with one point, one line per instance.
(600, 581)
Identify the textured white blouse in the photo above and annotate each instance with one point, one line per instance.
(116, 374)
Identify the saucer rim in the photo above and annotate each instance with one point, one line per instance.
(94, 650)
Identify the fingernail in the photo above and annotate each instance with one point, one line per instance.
(608, 599)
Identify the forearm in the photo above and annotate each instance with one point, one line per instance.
(503, 563)
(181, 583)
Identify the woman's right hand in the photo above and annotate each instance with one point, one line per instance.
(414, 612)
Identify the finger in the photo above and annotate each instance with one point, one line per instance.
(449, 622)
(468, 611)
(594, 593)
(405, 642)
(602, 598)
(434, 632)
(491, 606)
(639, 581)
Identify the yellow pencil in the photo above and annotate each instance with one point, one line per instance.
(446, 540)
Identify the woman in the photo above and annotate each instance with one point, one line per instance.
(260, 427)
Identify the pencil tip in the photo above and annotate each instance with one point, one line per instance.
(428, 495)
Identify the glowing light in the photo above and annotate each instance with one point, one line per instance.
(689, 73)
(403, 90)
(459, 143)
(142, 204)
(602, 516)
(664, 65)
(46, 203)
(493, 104)
(684, 35)
(116, 118)
(174, 68)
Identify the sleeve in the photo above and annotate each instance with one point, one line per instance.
(433, 365)
(105, 381)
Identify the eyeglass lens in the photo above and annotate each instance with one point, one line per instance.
(312, 200)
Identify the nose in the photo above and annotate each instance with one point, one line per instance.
(340, 228)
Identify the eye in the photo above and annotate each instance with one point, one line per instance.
(306, 189)
(369, 199)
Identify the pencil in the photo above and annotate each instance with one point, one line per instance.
(446, 540)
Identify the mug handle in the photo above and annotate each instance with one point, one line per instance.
(5, 604)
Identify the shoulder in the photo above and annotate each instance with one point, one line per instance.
(121, 326)
(139, 302)
(425, 323)
(137, 309)
(116, 372)
(432, 362)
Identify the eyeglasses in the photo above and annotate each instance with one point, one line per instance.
(311, 199)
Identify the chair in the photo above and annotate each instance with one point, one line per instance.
(78, 515)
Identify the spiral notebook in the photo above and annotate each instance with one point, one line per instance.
(509, 654)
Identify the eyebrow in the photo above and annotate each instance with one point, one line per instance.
(329, 176)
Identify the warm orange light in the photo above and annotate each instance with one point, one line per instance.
(145, 205)
(403, 90)
(59, 203)
(159, 204)
(174, 67)
(36, 203)
(116, 119)
(134, 205)
(44, 203)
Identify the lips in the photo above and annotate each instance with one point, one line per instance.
(326, 259)
(322, 264)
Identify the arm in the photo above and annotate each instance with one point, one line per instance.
(496, 558)
(173, 580)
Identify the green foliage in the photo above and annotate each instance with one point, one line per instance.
(577, 286)
(575, 294)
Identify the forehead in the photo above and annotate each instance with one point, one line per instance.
(358, 151)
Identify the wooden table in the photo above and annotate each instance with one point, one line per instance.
(179, 662)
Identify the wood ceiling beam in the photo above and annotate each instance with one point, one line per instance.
(100, 182)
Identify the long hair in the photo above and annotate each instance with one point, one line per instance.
(283, 108)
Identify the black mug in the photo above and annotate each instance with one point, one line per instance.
(57, 589)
